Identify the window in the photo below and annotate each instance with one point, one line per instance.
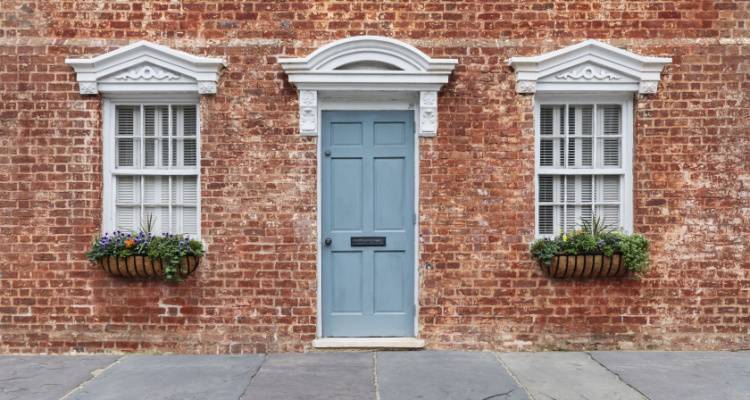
(152, 166)
(583, 153)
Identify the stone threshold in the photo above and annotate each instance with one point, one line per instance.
(369, 343)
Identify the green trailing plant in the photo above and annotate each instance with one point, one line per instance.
(595, 237)
(168, 248)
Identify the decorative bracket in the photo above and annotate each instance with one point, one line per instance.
(428, 119)
(308, 112)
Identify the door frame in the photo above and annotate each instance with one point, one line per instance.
(364, 101)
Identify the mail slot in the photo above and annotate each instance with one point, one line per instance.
(362, 241)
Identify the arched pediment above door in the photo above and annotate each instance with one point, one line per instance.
(368, 63)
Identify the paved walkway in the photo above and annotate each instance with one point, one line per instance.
(433, 375)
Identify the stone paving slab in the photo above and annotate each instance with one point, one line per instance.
(314, 376)
(444, 375)
(172, 377)
(46, 377)
(683, 375)
(566, 376)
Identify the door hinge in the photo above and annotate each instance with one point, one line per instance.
(414, 219)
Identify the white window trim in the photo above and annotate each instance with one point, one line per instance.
(145, 73)
(108, 156)
(625, 100)
(589, 72)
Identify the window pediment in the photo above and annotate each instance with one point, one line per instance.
(588, 66)
(147, 67)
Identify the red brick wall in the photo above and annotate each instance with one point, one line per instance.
(257, 289)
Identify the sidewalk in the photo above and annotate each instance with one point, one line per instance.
(433, 375)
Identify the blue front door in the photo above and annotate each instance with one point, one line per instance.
(368, 223)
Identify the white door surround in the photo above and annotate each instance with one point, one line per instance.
(368, 73)
(368, 64)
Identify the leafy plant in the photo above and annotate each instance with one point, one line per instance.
(168, 248)
(595, 238)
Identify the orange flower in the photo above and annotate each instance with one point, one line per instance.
(129, 244)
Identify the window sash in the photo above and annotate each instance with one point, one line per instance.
(175, 139)
(560, 130)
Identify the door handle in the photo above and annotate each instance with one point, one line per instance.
(328, 242)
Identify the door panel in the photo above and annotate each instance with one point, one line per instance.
(346, 187)
(346, 282)
(368, 191)
(389, 198)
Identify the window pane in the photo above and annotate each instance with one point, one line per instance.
(610, 215)
(579, 140)
(126, 152)
(164, 152)
(190, 121)
(546, 220)
(150, 120)
(189, 152)
(610, 152)
(151, 152)
(611, 119)
(127, 189)
(546, 189)
(126, 120)
(546, 125)
(189, 220)
(127, 202)
(156, 190)
(159, 219)
(189, 190)
(609, 189)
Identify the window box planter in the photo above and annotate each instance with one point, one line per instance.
(145, 267)
(585, 266)
(143, 255)
(593, 251)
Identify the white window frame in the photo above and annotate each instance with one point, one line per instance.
(145, 73)
(109, 169)
(625, 100)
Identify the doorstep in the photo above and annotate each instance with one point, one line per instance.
(369, 343)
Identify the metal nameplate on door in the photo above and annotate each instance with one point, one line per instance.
(362, 241)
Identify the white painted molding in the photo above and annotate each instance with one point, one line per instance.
(589, 66)
(428, 113)
(367, 63)
(145, 67)
(308, 112)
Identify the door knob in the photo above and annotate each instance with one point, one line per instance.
(328, 241)
(327, 153)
